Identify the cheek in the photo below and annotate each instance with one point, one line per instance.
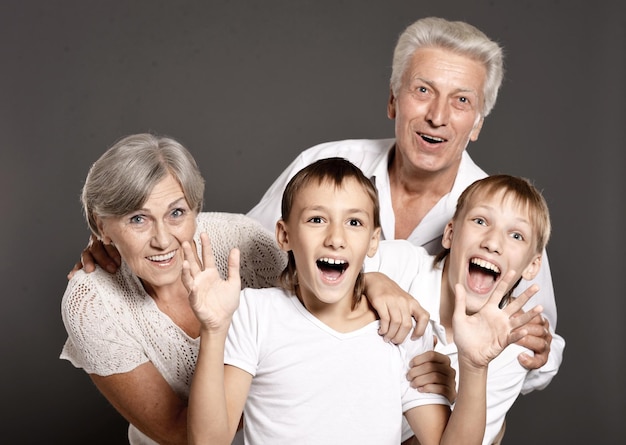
(128, 248)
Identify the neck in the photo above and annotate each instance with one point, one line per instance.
(404, 176)
(446, 304)
(339, 315)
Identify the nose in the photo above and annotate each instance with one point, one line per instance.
(160, 235)
(335, 236)
(493, 242)
(438, 112)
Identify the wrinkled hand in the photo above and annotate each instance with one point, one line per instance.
(212, 299)
(396, 308)
(432, 372)
(538, 339)
(482, 336)
(96, 252)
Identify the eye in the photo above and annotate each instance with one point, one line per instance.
(137, 219)
(355, 222)
(176, 213)
(480, 221)
(518, 236)
(463, 103)
(315, 220)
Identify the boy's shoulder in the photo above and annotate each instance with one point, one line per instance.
(265, 299)
(400, 260)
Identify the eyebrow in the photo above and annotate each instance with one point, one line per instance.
(434, 85)
(174, 203)
(491, 208)
(316, 208)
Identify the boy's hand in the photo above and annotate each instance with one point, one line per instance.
(96, 252)
(482, 336)
(396, 308)
(212, 299)
(538, 340)
(431, 372)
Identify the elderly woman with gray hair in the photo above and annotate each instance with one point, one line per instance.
(134, 332)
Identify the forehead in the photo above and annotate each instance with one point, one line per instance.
(165, 190)
(501, 200)
(349, 194)
(440, 65)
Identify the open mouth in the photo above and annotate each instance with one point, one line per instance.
(332, 268)
(482, 275)
(162, 258)
(431, 139)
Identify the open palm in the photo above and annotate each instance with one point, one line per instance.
(213, 299)
(480, 337)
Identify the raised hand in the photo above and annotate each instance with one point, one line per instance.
(212, 299)
(482, 336)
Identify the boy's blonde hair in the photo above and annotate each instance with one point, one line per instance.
(333, 171)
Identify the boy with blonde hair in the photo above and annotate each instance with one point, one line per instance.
(501, 224)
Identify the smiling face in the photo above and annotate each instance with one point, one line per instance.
(437, 110)
(330, 229)
(149, 239)
(492, 235)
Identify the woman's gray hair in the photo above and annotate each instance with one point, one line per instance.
(121, 180)
(459, 37)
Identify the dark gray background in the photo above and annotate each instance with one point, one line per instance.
(248, 85)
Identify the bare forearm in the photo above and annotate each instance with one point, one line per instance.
(208, 420)
(468, 419)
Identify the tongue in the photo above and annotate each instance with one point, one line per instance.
(330, 273)
(480, 281)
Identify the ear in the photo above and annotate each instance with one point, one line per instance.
(446, 241)
(374, 240)
(102, 229)
(391, 106)
(532, 269)
(476, 130)
(281, 235)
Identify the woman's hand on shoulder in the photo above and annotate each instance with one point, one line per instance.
(97, 253)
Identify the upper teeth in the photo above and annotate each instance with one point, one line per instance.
(433, 138)
(332, 261)
(485, 264)
(163, 257)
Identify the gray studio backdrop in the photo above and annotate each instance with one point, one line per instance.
(248, 85)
